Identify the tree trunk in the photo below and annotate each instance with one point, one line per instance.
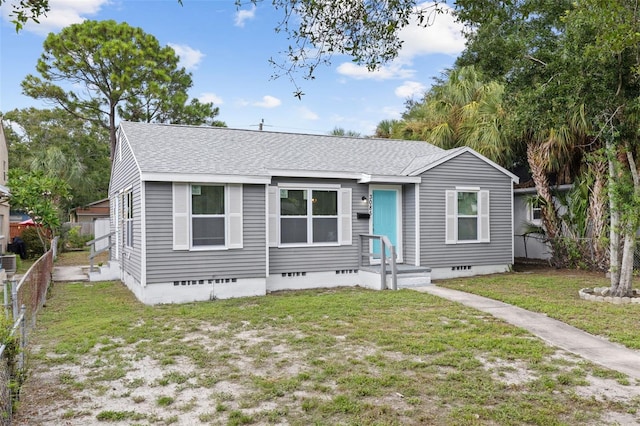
(625, 283)
(597, 213)
(615, 262)
(538, 159)
(622, 275)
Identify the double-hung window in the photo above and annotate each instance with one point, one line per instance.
(535, 212)
(207, 215)
(467, 216)
(127, 217)
(308, 216)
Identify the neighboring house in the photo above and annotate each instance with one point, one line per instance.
(202, 213)
(4, 192)
(525, 213)
(87, 215)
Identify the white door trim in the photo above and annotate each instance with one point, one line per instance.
(398, 189)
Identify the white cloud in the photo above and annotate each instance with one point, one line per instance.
(387, 72)
(189, 58)
(409, 89)
(307, 114)
(393, 112)
(61, 14)
(210, 97)
(443, 35)
(245, 15)
(268, 102)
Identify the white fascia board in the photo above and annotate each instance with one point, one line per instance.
(203, 178)
(364, 178)
(532, 190)
(456, 153)
(314, 174)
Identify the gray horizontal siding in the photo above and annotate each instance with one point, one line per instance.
(124, 175)
(164, 264)
(465, 170)
(409, 224)
(318, 259)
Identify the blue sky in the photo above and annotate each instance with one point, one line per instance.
(227, 51)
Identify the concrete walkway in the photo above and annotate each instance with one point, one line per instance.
(70, 273)
(595, 349)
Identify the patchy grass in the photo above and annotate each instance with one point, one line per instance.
(345, 356)
(79, 258)
(555, 293)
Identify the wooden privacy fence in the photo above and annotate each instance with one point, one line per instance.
(22, 301)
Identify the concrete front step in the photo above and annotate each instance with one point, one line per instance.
(413, 280)
(108, 272)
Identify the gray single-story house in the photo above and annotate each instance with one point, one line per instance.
(201, 213)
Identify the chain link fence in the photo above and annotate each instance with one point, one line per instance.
(22, 301)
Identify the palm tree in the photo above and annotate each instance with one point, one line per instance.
(462, 110)
(339, 131)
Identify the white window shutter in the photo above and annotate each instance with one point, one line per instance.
(484, 216)
(451, 221)
(345, 217)
(234, 216)
(272, 207)
(181, 219)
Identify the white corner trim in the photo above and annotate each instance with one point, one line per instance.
(267, 230)
(143, 236)
(417, 229)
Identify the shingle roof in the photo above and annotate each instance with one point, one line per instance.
(160, 148)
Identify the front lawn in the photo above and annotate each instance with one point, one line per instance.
(555, 293)
(324, 357)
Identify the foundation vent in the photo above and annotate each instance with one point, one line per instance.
(188, 282)
(294, 274)
(202, 282)
(461, 268)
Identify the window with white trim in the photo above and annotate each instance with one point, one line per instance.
(127, 218)
(207, 216)
(535, 212)
(467, 216)
(308, 216)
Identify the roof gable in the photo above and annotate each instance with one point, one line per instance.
(422, 165)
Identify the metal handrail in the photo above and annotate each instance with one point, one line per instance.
(93, 253)
(391, 259)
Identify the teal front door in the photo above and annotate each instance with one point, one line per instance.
(385, 218)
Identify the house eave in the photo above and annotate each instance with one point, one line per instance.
(203, 178)
(320, 174)
(365, 178)
(532, 190)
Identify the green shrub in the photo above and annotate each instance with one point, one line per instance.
(72, 239)
(32, 243)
